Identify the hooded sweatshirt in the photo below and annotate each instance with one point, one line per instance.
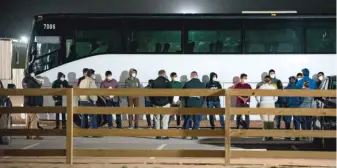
(213, 85)
(312, 83)
(58, 83)
(131, 82)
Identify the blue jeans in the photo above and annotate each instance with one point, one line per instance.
(187, 121)
(215, 104)
(93, 117)
(306, 122)
(118, 116)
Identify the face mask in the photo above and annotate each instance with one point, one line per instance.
(174, 78)
(299, 78)
(133, 75)
(320, 78)
(272, 76)
(62, 79)
(32, 74)
(245, 81)
(109, 78)
(214, 79)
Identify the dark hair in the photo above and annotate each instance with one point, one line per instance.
(194, 72)
(173, 74)
(135, 70)
(306, 84)
(90, 72)
(267, 78)
(85, 70)
(270, 71)
(107, 73)
(299, 74)
(161, 72)
(243, 75)
(320, 73)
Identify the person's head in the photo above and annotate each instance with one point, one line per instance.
(133, 72)
(61, 76)
(320, 76)
(236, 80)
(305, 72)
(108, 75)
(162, 73)
(272, 73)
(299, 76)
(85, 71)
(150, 82)
(244, 78)
(91, 73)
(292, 80)
(194, 74)
(173, 76)
(267, 79)
(306, 84)
(213, 76)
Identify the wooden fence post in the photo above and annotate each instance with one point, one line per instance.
(227, 127)
(70, 133)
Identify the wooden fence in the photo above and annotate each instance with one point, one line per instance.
(227, 154)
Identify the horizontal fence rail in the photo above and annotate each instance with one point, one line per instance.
(228, 153)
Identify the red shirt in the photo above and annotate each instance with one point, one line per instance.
(242, 86)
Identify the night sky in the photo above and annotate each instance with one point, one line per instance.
(16, 16)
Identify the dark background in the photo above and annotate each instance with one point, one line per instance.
(16, 16)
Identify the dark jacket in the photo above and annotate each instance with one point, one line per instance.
(194, 101)
(213, 85)
(59, 84)
(161, 83)
(34, 100)
(291, 101)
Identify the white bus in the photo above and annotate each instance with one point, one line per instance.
(229, 44)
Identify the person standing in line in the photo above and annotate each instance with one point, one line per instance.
(89, 101)
(161, 101)
(110, 101)
(278, 85)
(85, 71)
(60, 82)
(267, 102)
(320, 78)
(306, 78)
(149, 104)
(214, 101)
(292, 102)
(31, 81)
(306, 102)
(193, 101)
(236, 80)
(176, 100)
(133, 101)
(243, 101)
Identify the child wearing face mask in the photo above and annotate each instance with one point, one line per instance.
(60, 82)
(267, 102)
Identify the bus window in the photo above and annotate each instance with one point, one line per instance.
(93, 42)
(321, 40)
(45, 52)
(272, 37)
(155, 41)
(223, 41)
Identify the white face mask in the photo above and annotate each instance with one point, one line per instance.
(299, 78)
(133, 75)
(321, 78)
(272, 76)
(109, 78)
(174, 78)
(62, 79)
(32, 74)
(245, 81)
(214, 79)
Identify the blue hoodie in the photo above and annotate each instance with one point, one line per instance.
(306, 77)
(291, 101)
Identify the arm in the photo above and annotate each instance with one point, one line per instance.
(93, 86)
(169, 86)
(138, 83)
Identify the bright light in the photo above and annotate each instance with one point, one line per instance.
(24, 39)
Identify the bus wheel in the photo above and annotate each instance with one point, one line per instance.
(101, 120)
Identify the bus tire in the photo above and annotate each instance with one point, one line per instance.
(101, 119)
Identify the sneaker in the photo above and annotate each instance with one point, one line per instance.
(130, 128)
(287, 139)
(158, 137)
(184, 137)
(37, 138)
(194, 138)
(165, 138)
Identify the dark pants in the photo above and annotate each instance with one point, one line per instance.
(215, 104)
(63, 115)
(118, 116)
(196, 121)
(148, 116)
(172, 116)
(239, 121)
(297, 122)
(93, 117)
(306, 122)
